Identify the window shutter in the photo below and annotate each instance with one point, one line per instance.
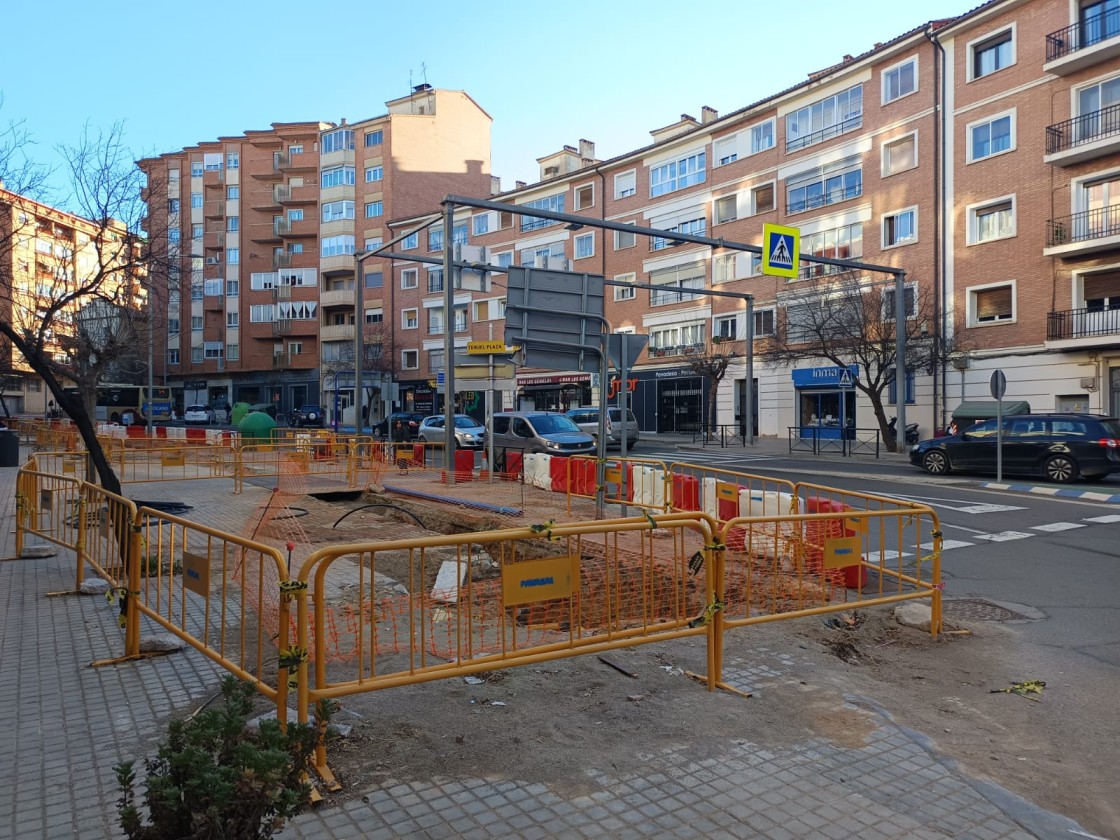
(993, 303)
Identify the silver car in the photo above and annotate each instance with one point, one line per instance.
(469, 433)
(587, 418)
(540, 431)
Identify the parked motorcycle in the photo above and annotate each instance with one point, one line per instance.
(912, 436)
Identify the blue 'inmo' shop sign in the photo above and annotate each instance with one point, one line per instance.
(825, 376)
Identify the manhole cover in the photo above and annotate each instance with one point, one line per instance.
(977, 609)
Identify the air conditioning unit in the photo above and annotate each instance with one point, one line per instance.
(213, 261)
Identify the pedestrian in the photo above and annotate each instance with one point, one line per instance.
(400, 438)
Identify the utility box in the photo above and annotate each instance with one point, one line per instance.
(9, 448)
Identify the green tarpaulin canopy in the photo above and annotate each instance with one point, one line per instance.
(986, 409)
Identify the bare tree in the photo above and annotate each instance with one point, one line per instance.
(712, 364)
(848, 319)
(378, 355)
(78, 287)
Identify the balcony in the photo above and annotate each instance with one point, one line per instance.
(281, 259)
(215, 209)
(1083, 233)
(265, 199)
(213, 177)
(215, 302)
(677, 350)
(282, 327)
(337, 297)
(834, 130)
(282, 292)
(1085, 137)
(263, 232)
(284, 162)
(825, 198)
(336, 264)
(281, 227)
(1082, 44)
(281, 360)
(287, 194)
(1083, 327)
(337, 332)
(215, 239)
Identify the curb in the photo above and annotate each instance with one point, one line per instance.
(1088, 495)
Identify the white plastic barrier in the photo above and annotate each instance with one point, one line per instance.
(649, 486)
(536, 467)
(176, 433)
(709, 502)
(769, 503)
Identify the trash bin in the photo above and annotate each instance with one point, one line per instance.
(9, 448)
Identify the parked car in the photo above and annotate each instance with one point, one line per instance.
(469, 433)
(411, 420)
(1059, 447)
(587, 418)
(539, 431)
(199, 414)
(306, 415)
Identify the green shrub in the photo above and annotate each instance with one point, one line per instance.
(212, 778)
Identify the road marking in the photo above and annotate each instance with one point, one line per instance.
(1104, 520)
(974, 508)
(946, 545)
(1058, 526)
(1005, 536)
(888, 554)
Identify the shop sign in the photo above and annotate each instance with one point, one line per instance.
(842, 377)
(554, 379)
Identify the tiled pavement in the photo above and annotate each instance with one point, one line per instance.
(66, 725)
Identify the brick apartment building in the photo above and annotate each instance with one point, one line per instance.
(981, 154)
(261, 299)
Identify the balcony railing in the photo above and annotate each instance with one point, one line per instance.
(1083, 34)
(842, 127)
(1082, 323)
(826, 198)
(1084, 226)
(1095, 125)
(677, 350)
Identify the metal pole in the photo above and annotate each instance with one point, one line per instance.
(900, 359)
(624, 411)
(359, 340)
(490, 407)
(448, 341)
(748, 385)
(151, 362)
(999, 440)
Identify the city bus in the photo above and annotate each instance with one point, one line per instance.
(129, 403)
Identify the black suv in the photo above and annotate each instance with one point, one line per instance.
(307, 415)
(1059, 447)
(411, 420)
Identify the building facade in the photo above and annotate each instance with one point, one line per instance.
(261, 303)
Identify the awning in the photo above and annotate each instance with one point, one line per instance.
(986, 409)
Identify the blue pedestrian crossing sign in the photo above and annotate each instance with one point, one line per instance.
(780, 249)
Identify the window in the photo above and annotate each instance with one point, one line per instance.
(460, 319)
(843, 243)
(233, 193)
(196, 290)
(172, 205)
(503, 259)
(763, 322)
(544, 256)
(337, 176)
(824, 119)
(554, 203)
(435, 360)
(297, 149)
(297, 215)
(435, 280)
(338, 141)
(677, 174)
(374, 173)
(374, 138)
(295, 348)
(482, 310)
(725, 209)
(231, 319)
(373, 209)
(585, 246)
(335, 210)
(726, 150)
(232, 288)
(196, 169)
(196, 201)
(233, 224)
(585, 197)
(297, 310)
(196, 231)
(900, 155)
(762, 137)
(672, 341)
(900, 228)
(625, 184)
(992, 54)
(372, 242)
(910, 302)
(671, 281)
(410, 359)
(173, 357)
(726, 328)
(991, 304)
(624, 292)
(262, 313)
(994, 220)
(762, 198)
(435, 239)
(900, 80)
(992, 136)
(212, 287)
(374, 279)
(173, 326)
(892, 387)
(409, 319)
(196, 323)
(375, 316)
(233, 160)
(233, 256)
(196, 355)
(410, 242)
(480, 224)
(724, 268)
(624, 239)
(337, 246)
(174, 235)
(696, 227)
(459, 233)
(435, 322)
(409, 278)
(824, 185)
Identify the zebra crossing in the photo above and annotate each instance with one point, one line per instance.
(700, 457)
(1008, 536)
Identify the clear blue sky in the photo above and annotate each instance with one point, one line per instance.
(181, 73)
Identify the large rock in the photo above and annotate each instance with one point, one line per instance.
(162, 643)
(94, 586)
(914, 614)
